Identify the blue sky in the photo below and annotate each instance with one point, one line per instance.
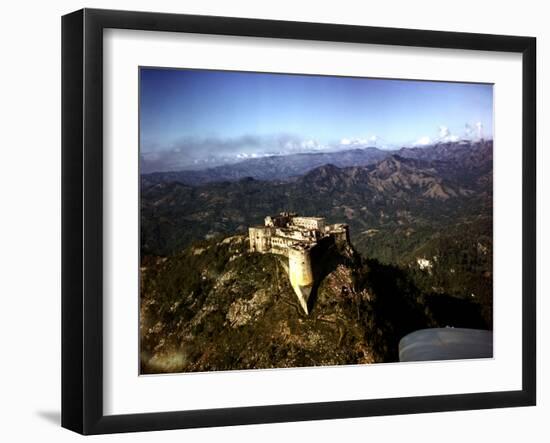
(200, 117)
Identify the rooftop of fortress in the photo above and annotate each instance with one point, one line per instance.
(297, 231)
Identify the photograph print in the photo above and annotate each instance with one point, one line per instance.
(291, 220)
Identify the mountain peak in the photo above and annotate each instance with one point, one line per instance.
(328, 168)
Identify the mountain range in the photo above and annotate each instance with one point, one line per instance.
(411, 189)
(421, 227)
(285, 167)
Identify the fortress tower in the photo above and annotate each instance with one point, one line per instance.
(296, 238)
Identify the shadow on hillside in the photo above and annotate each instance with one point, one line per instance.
(326, 259)
(398, 307)
(456, 312)
(395, 309)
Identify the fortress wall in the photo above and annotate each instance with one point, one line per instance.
(301, 274)
(306, 243)
(340, 233)
(280, 220)
(260, 239)
(300, 267)
(280, 250)
(342, 237)
(309, 222)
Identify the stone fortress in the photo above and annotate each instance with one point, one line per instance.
(299, 239)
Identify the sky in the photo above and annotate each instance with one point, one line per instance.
(191, 119)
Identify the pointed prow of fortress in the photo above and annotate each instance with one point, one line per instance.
(297, 238)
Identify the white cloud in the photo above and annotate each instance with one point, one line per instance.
(311, 145)
(479, 127)
(423, 141)
(473, 131)
(355, 141)
(445, 135)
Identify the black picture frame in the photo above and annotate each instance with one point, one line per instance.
(82, 215)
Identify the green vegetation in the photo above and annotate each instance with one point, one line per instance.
(215, 306)
(423, 234)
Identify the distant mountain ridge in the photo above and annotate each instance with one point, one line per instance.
(288, 167)
(396, 191)
(280, 167)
